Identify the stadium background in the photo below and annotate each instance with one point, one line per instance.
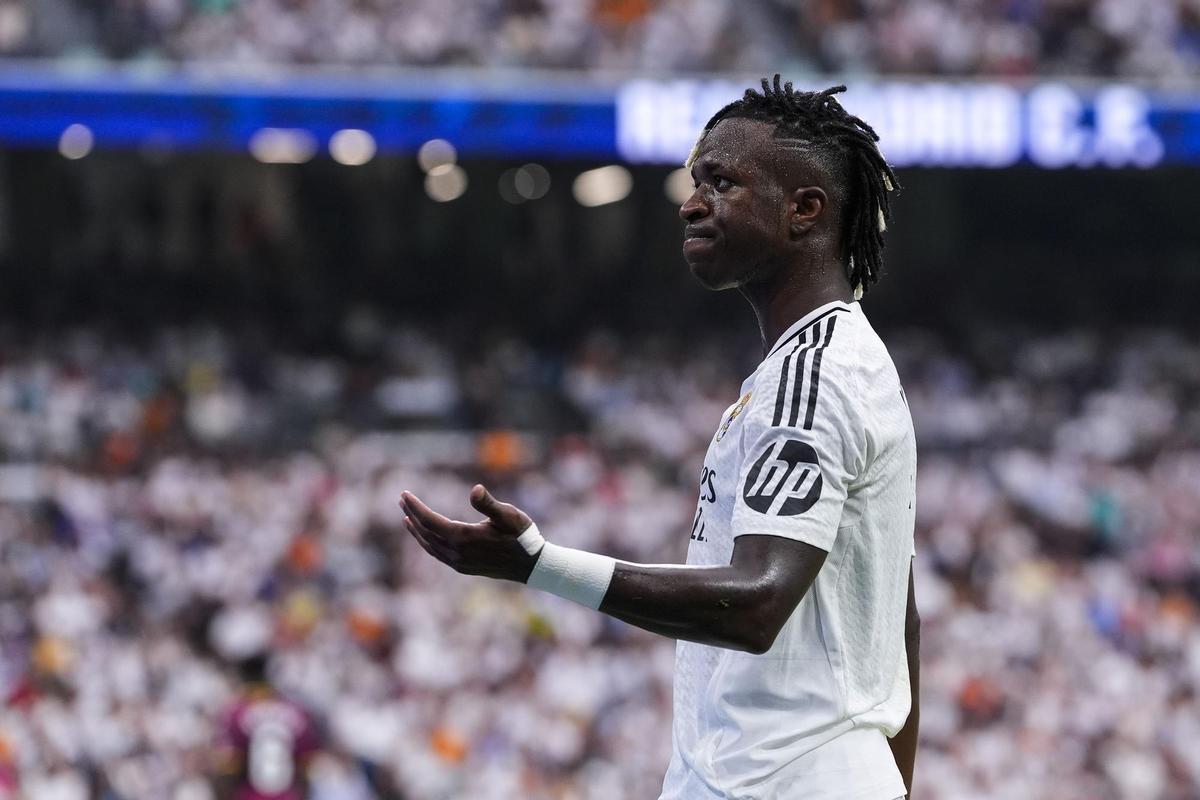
(218, 369)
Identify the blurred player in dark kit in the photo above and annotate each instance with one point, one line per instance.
(266, 741)
(796, 666)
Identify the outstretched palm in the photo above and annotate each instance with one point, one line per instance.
(487, 548)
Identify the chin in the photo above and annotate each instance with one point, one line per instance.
(710, 276)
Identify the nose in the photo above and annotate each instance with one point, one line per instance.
(694, 208)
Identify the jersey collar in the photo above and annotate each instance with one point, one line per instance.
(820, 312)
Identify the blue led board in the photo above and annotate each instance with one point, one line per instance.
(190, 114)
(939, 124)
(935, 124)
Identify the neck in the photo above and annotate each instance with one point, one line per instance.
(779, 302)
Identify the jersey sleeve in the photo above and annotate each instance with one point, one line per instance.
(804, 445)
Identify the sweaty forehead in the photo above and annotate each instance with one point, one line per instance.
(752, 144)
(736, 142)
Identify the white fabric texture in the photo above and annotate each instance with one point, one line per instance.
(531, 540)
(820, 449)
(576, 575)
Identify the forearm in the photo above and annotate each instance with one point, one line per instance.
(719, 606)
(742, 605)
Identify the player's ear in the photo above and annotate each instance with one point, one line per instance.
(805, 207)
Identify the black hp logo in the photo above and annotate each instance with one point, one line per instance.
(786, 479)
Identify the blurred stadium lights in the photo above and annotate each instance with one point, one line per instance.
(603, 185)
(283, 145)
(532, 181)
(76, 141)
(436, 154)
(679, 186)
(446, 182)
(507, 185)
(528, 182)
(352, 147)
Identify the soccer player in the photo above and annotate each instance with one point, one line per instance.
(266, 740)
(796, 667)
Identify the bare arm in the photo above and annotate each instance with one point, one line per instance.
(904, 743)
(741, 605)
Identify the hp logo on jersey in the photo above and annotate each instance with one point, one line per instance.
(785, 481)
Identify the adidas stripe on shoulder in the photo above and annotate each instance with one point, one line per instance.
(800, 377)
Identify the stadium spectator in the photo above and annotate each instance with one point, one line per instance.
(1010, 38)
(149, 490)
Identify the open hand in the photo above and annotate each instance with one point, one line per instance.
(487, 548)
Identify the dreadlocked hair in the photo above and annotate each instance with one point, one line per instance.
(819, 120)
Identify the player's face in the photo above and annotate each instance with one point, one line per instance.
(737, 218)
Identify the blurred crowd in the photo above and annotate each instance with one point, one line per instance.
(172, 503)
(1143, 38)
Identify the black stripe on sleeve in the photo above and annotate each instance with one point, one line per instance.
(798, 390)
(781, 396)
(806, 328)
(783, 382)
(815, 382)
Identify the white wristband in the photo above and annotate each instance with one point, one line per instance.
(531, 539)
(576, 575)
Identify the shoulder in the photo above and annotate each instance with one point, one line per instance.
(813, 373)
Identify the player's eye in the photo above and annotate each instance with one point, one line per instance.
(721, 183)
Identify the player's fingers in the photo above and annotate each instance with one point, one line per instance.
(431, 535)
(424, 514)
(426, 545)
(423, 542)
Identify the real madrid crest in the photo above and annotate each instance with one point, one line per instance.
(733, 415)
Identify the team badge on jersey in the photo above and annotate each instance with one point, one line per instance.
(738, 409)
(785, 480)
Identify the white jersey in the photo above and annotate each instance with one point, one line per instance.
(819, 449)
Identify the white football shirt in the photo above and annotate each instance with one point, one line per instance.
(820, 449)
